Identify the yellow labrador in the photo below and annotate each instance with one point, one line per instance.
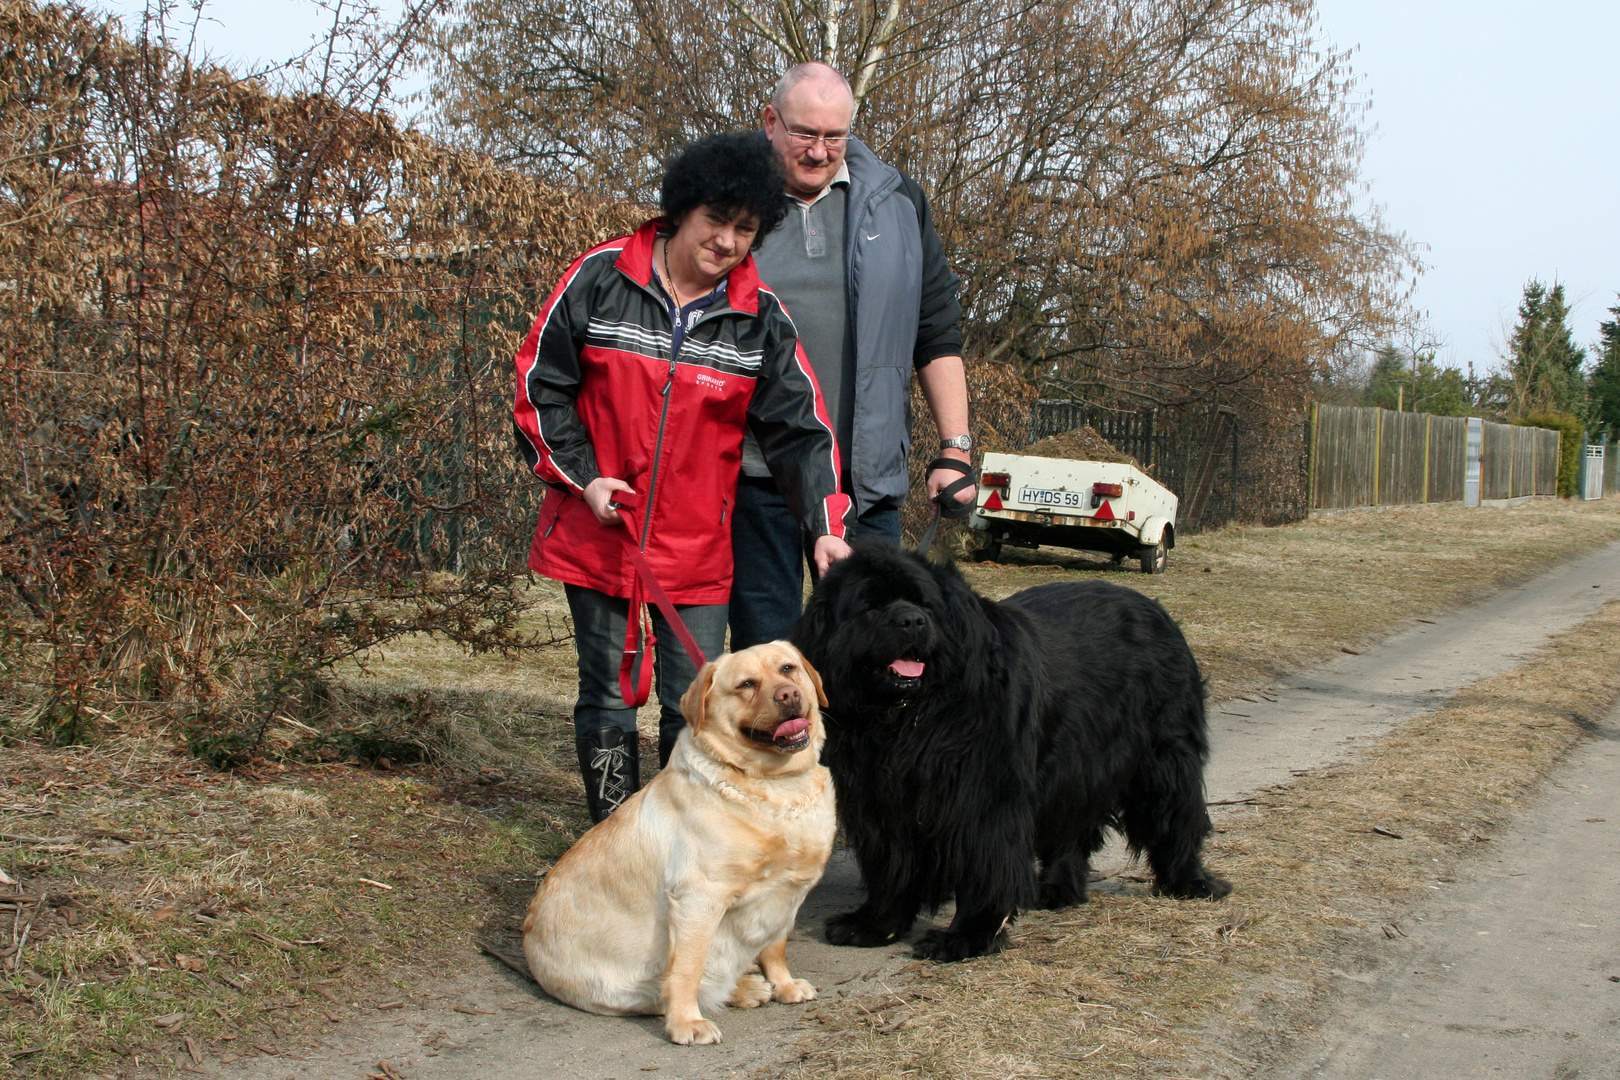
(662, 907)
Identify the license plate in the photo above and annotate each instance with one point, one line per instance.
(1047, 497)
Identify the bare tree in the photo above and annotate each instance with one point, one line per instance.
(1153, 200)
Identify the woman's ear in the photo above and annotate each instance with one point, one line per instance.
(695, 702)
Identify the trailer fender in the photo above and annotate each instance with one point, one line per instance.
(1155, 528)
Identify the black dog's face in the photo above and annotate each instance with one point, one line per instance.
(873, 620)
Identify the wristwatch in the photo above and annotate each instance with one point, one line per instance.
(963, 443)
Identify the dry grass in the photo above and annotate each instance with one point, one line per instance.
(292, 802)
(1255, 602)
(241, 911)
(1136, 986)
(157, 840)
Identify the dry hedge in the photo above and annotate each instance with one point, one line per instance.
(256, 375)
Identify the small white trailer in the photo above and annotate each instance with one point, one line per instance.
(1104, 506)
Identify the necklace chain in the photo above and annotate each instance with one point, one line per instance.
(669, 278)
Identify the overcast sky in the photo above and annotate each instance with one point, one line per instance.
(1494, 141)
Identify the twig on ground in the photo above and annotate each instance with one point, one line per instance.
(21, 838)
(273, 941)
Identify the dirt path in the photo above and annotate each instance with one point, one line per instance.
(1515, 971)
(1320, 715)
(492, 1024)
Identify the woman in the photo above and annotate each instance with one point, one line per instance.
(652, 357)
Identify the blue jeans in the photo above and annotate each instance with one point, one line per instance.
(769, 549)
(599, 637)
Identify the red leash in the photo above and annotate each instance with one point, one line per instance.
(638, 631)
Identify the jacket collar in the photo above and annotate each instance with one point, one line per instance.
(635, 261)
(869, 176)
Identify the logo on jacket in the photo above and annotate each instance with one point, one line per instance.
(705, 379)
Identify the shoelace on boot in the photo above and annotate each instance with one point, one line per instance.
(609, 762)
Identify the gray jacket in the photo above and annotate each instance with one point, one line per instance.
(903, 311)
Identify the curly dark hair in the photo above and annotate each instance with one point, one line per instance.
(734, 171)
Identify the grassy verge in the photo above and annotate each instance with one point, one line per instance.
(1137, 986)
(1255, 602)
(191, 914)
(190, 910)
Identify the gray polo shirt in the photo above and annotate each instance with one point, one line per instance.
(803, 263)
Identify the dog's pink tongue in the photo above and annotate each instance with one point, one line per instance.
(788, 730)
(907, 669)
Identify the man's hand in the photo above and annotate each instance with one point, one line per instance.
(599, 492)
(938, 478)
(829, 549)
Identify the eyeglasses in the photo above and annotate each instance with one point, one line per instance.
(806, 140)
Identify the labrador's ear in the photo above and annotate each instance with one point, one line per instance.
(695, 702)
(815, 681)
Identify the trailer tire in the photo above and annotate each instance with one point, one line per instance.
(990, 552)
(1153, 558)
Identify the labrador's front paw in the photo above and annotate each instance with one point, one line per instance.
(793, 992)
(694, 1032)
(751, 992)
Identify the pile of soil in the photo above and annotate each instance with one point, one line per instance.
(1081, 444)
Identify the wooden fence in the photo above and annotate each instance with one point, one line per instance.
(1374, 457)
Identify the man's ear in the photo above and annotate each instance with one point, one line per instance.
(695, 702)
(815, 681)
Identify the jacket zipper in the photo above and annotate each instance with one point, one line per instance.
(658, 452)
(663, 418)
(663, 414)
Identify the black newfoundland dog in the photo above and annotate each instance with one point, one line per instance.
(980, 749)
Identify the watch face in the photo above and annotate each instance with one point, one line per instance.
(960, 442)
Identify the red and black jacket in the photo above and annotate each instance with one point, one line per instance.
(599, 394)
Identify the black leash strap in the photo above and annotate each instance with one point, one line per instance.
(945, 504)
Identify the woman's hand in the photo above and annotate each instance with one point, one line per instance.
(829, 549)
(599, 493)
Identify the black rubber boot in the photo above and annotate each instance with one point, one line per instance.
(667, 734)
(610, 763)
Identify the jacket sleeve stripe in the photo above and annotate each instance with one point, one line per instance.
(537, 452)
(834, 506)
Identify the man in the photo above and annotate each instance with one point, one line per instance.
(861, 271)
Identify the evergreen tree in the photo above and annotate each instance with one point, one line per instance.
(1563, 355)
(1544, 361)
(1388, 375)
(1604, 387)
(1413, 382)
